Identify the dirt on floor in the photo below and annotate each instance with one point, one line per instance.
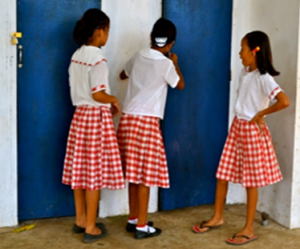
(176, 226)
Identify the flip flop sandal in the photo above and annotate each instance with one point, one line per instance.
(196, 229)
(231, 241)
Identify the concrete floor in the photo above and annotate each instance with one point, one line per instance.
(176, 225)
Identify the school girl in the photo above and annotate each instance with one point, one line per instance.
(248, 156)
(92, 160)
(139, 135)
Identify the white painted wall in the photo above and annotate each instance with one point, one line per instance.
(281, 22)
(8, 151)
(131, 24)
(295, 197)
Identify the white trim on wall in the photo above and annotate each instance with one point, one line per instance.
(8, 120)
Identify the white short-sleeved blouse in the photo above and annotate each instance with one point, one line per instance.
(150, 73)
(254, 93)
(88, 73)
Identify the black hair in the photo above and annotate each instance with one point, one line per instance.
(165, 30)
(91, 20)
(263, 55)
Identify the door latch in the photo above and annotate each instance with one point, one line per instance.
(15, 36)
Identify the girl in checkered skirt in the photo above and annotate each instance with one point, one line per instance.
(92, 160)
(139, 135)
(248, 156)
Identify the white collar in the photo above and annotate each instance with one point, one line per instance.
(152, 54)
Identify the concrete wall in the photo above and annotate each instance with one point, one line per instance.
(8, 151)
(131, 24)
(281, 22)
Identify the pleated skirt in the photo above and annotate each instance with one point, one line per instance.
(248, 156)
(142, 151)
(92, 158)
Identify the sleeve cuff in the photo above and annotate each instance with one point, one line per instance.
(98, 88)
(275, 92)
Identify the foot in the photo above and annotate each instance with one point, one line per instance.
(79, 229)
(241, 239)
(97, 233)
(151, 232)
(131, 227)
(89, 238)
(207, 226)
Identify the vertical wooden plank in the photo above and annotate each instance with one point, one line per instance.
(44, 106)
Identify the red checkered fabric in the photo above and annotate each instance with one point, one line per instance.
(248, 156)
(142, 150)
(92, 159)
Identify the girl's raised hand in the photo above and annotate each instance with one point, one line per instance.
(115, 108)
(173, 57)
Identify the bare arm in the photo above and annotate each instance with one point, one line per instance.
(181, 84)
(282, 102)
(105, 98)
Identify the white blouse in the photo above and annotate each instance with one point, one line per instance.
(150, 73)
(254, 93)
(88, 73)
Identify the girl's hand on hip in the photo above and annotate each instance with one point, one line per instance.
(115, 108)
(259, 120)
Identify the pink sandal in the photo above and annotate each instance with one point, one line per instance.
(196, 228)
(231, 240)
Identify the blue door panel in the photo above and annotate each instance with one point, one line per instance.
(196, 119)
(44, 106)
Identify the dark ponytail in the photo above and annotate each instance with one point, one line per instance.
(258, 39)
(163, 32)
(85, 27)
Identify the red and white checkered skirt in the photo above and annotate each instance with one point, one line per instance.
(142, 151)
(92, 158)
(248, 156)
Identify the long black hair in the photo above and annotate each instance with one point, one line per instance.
(85, 27)
(259, 41)
(163, 32)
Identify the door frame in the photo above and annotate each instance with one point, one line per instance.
(8, 116)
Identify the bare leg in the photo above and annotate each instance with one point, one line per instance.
(217, 219)
(92, 202)
(143, 201)
(248, 230)
(221, 193)
(133, 200)
(80, 208)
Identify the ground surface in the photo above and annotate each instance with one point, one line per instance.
(177, 234)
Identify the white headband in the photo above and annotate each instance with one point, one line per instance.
(161, 41)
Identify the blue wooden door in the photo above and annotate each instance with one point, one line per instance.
(44, 106)
(196, 121)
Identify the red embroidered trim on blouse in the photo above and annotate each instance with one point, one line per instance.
(86, 64)
(98, 88)
(277, 88)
